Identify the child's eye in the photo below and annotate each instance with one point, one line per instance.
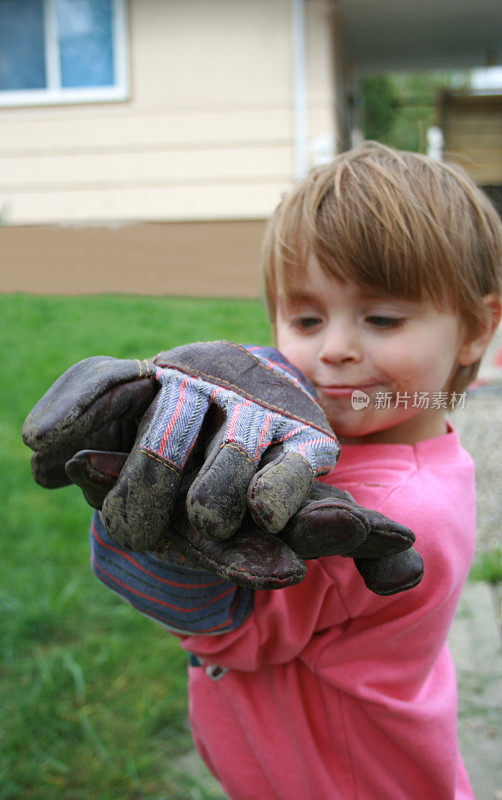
(379, 321)
(306, 323)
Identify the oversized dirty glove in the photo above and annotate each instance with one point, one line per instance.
(328, 523)
(383, 553)
(98, 404)
(225, 407)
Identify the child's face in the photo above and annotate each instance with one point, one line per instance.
(344, 338)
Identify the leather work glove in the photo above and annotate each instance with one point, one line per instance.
(222, 405)
(215, 462)
(328, 523)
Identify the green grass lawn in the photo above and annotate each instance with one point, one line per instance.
(93, 694)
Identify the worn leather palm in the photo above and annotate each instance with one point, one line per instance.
(211, 450)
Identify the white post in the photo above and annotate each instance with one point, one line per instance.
(52, 54)
(299, 89)
(435, 143)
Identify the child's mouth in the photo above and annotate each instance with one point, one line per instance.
(345, 390)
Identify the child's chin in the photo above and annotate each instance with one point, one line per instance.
(357, 428)
(347, 421)
(345, 431)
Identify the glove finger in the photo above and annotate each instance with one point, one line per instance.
(251, 558)
(326, 528)
(278, 490)
(386, 537)
(216, 501)
(320, 449)
(138, 509)
(86, 397)
(96, 472)
(392, 574)
(48, 467)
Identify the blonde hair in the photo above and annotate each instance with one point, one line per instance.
(394, 222)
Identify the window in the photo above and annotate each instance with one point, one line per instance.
(62, 51)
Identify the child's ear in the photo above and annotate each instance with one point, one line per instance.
(473, 350)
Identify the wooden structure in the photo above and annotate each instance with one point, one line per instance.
(472, 127)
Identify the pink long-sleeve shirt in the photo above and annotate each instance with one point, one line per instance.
(332, 692)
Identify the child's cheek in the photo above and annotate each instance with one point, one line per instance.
(294, 352)
(401, 362)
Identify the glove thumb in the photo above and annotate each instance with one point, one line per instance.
(96, 472)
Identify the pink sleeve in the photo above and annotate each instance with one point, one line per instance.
(283, 623)
(280, 626)
(429, 488)
(403, 635)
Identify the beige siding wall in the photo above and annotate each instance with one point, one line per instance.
(472, 128)
(199, 259)
(206, 134)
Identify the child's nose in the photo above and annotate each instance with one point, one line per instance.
(340, 345)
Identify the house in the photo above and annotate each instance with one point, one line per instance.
(144, 142)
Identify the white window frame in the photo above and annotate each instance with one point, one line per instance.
(54, 93)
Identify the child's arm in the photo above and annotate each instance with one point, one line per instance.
(174, 589)
(169, 588)
(252, 557)
(220, 621)
(190, 476)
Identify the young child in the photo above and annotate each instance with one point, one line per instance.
(383, 280)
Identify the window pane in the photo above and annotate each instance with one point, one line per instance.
(86, 42)
(22, 56)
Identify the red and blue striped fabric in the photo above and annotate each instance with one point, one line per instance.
(181, 407)
(183, 402)
(271, 358)
(178, 594)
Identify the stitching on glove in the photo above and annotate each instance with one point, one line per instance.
(257, 360)
(236, 446)
(212, 564)
(265, 403)
(164, 461)
(308, 465)
(147, 365)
